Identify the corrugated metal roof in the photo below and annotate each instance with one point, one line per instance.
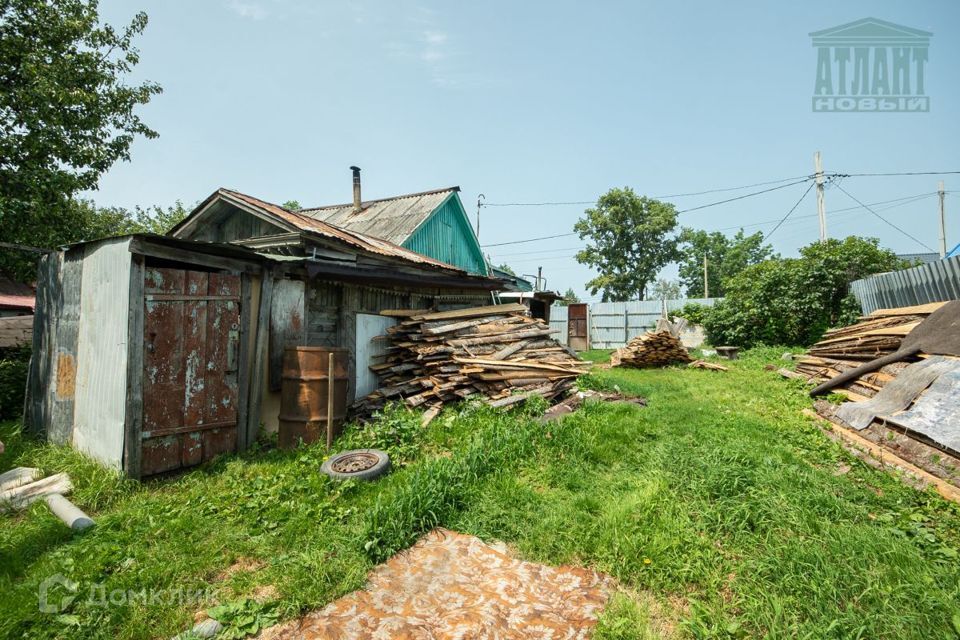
(357, 239)
(393, 219)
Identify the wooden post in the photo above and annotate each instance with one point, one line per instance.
(330, 402)
(706, 284)
(821, 211)
(943, 225)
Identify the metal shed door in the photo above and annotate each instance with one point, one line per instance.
(577, 327)
(191, 349)
(371, 347)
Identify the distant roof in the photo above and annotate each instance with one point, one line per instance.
(392, 219)
(300, 221)
(16, 295)
(924, 258)
(515, 282)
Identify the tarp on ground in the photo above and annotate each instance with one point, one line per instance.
(450, 585)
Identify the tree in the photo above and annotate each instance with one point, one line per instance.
(507, 269)
(665, 289)
(793, 301)
(156, 219)
(292, 205)
(67, 115)
(726, 257)
(570, 297)
(630, 243)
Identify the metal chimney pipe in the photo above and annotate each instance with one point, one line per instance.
(357, 202)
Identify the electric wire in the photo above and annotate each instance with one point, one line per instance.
(849, 195)
(792, 209)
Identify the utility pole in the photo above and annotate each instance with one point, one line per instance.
(821, 212)
(706, 284)
(943, 222)
(539, 278)
(479, 198)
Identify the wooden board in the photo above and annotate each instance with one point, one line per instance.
(920, 309)
(897, 395)
(885, 456)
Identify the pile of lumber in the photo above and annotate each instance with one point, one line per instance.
(496, 352)
(877, 334)
(652, 349)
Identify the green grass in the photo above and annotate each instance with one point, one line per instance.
(596, 355)
(718, 508)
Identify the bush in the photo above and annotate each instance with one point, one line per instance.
(14, 363)
(794, 301)
(693, 312)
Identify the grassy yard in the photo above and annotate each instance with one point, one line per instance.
(721, 511)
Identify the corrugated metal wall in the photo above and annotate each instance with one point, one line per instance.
(101, 382)
(933, 282)
(558, 322)
(613, 324)
(448, 237)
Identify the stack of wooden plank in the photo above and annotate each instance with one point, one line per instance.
(495, 352)
(652, 349)
(875, 335)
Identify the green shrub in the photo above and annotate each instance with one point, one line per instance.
(693, 312)
(14, 363)
(793, 301)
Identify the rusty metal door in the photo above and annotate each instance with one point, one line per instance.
(191, 350)
(577, 329)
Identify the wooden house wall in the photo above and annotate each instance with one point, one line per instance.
(230, 224)
(331, 309)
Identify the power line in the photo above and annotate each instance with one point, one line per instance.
(529, 253)
(746, 195)
(792, 209)
(703, 206)
(902, 201)
(902, 173)
(670, 195)
(501, 244)
(922, 244)
(747, 186)
(723, 189)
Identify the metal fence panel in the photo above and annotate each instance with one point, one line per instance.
(614, 324)
(934, 282)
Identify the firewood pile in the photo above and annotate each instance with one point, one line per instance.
(652, 349)
(497, 353)
(875, 335)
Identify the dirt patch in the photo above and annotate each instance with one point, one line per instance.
(576, 400)
(450, 585)
(265, 593)
(241, 565)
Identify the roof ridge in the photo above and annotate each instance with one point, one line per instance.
(365, 203)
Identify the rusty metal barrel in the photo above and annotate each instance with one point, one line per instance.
(305, 394)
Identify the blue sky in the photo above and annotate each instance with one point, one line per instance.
(534, 102)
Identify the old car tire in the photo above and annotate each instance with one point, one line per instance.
(356, 464)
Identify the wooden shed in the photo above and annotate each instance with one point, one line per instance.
(144, 351)
(156, 353)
